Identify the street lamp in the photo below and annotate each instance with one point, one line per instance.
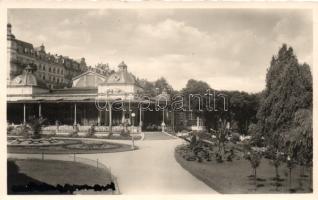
(290, 166)
(133, 124)
(163, 121)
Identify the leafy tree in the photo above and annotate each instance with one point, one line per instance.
(301, 139)
(284, 116)
(194, 87)
(162, 84)
(288, 89)
(195, 97)
(256, 137)
(254, 158)
(243, 108)
(149, 87)
(154, 88)
(222, 132)
(35, 125)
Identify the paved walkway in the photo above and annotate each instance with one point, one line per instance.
(152, 169)
(157, 136)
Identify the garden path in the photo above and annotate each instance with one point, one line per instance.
(152, 169)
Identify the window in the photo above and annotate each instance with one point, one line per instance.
(53, 70)
(49, 69)
(43, 77)
(58, 71)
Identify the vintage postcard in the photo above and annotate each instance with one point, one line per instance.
(158, 98)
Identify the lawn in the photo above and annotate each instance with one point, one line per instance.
(53, 172)
(234, 177)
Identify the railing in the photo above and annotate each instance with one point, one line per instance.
(81, 128)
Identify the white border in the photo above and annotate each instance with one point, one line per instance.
(80, 4)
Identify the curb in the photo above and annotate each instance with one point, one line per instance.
(170, 135)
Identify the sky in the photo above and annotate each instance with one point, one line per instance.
(229, 49)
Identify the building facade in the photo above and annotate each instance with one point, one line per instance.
(56, 71)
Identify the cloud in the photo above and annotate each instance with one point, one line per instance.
(229, 49)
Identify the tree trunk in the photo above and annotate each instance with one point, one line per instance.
(310, 179)
(290, 178)
(255, 179)
(276, 171)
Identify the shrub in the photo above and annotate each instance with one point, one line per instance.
(91, 130)
(9, 129)
(218, 158)
(235, 138)
(254, 158)
(35, 125)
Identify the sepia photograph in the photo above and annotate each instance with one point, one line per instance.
(126, 101)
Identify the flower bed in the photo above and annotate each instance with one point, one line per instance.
(65, 146)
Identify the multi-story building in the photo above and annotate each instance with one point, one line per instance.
(55, 70)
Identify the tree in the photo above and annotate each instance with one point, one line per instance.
(222, 132)
(243, 108)
(154, 88)
(256, 137)
(192, 90)
(288, 89)
(301, 139)
(162, 84)
(195, 99)
(35, 125)
(255, 159)
(282, 118)
(149, 87)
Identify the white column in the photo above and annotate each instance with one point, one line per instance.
(40, 110)
(75, 121)
(98, 117)
(140, 117)
(110, 116)
(24, 117)
(123, 119)
(198, 122)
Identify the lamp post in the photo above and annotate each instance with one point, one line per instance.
(290, 166)
(132, 137)
(163, 121)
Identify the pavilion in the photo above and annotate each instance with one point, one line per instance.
(93, 99)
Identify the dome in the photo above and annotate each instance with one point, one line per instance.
(122, 66)
(27, 78)
(122, 76)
